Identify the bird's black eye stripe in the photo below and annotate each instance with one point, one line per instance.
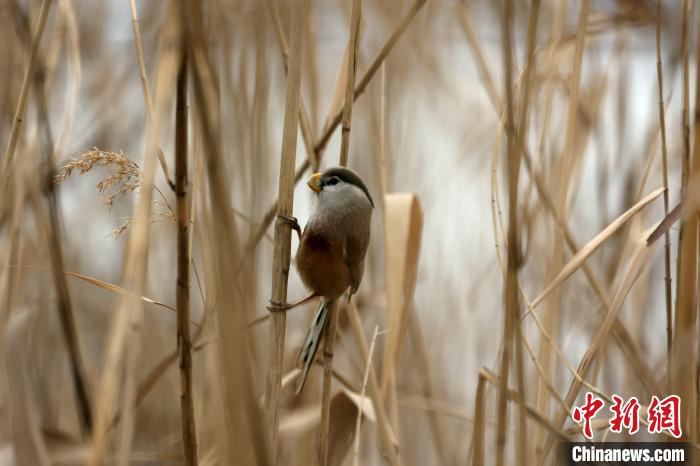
(332, 180)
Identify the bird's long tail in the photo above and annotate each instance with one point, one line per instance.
(313, 338)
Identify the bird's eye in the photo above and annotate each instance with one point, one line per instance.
(333, 180)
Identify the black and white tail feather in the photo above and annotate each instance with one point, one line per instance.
(313, 338)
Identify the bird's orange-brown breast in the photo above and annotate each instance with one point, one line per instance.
(321, 265)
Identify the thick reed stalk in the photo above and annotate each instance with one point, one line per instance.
(282, 248)
(683, 377)
(21, 108)
(184, 339)
(330, 334)
(304, 122)
(328, 349)
(511, 335)
(664, 173)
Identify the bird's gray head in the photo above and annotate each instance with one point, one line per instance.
(340, 186)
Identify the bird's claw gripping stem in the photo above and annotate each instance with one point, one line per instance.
(292, 222)
(274, 306)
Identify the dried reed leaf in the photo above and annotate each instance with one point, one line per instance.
(342, 429)
(593, 245)
(403, 223)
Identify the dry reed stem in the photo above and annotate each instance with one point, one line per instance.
(239, 412)
(23, 95)
(664, 173)
(182, 283)
(478, 433)
(484, 71)
(329, 336)
(368, 364)
(282, 245)
(528, 72)
(304, 122)
(330, 332)
(511, 330)
(381, 153)
(531, 412)
(389, 440)
(321, 143)
(684, 376)
(143, 76)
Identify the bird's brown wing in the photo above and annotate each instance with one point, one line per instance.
(354, 255)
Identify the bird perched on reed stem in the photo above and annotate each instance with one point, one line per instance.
(331, 254)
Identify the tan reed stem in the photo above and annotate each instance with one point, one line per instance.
(184, 339)
(282, 246)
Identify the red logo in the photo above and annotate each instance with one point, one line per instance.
(665, 415)
(662, 415)
(587, 412)
(625, 415)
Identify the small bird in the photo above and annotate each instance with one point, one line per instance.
(331, 254)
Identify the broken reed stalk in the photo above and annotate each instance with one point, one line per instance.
(664, 173)
(282, 246)
(368, 365)
(383, 422)
(685, 334)
(477, 446)
(21, 108)
(511, 334)
(330, 333)
(335, 121)
(184, 339)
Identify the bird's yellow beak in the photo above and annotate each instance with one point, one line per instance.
(314, 182)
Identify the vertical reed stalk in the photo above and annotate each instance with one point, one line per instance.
(685, 340)
(143, 76)
(304, 122)
(330, 334)
(21, 108)
(184, 339)
(477, 456)
(511, 334)
(664, 173)
(282, 247)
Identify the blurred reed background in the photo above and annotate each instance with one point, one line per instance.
(144, 147)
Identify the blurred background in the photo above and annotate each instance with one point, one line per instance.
(581, 118)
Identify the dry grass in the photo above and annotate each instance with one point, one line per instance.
(575, 124)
